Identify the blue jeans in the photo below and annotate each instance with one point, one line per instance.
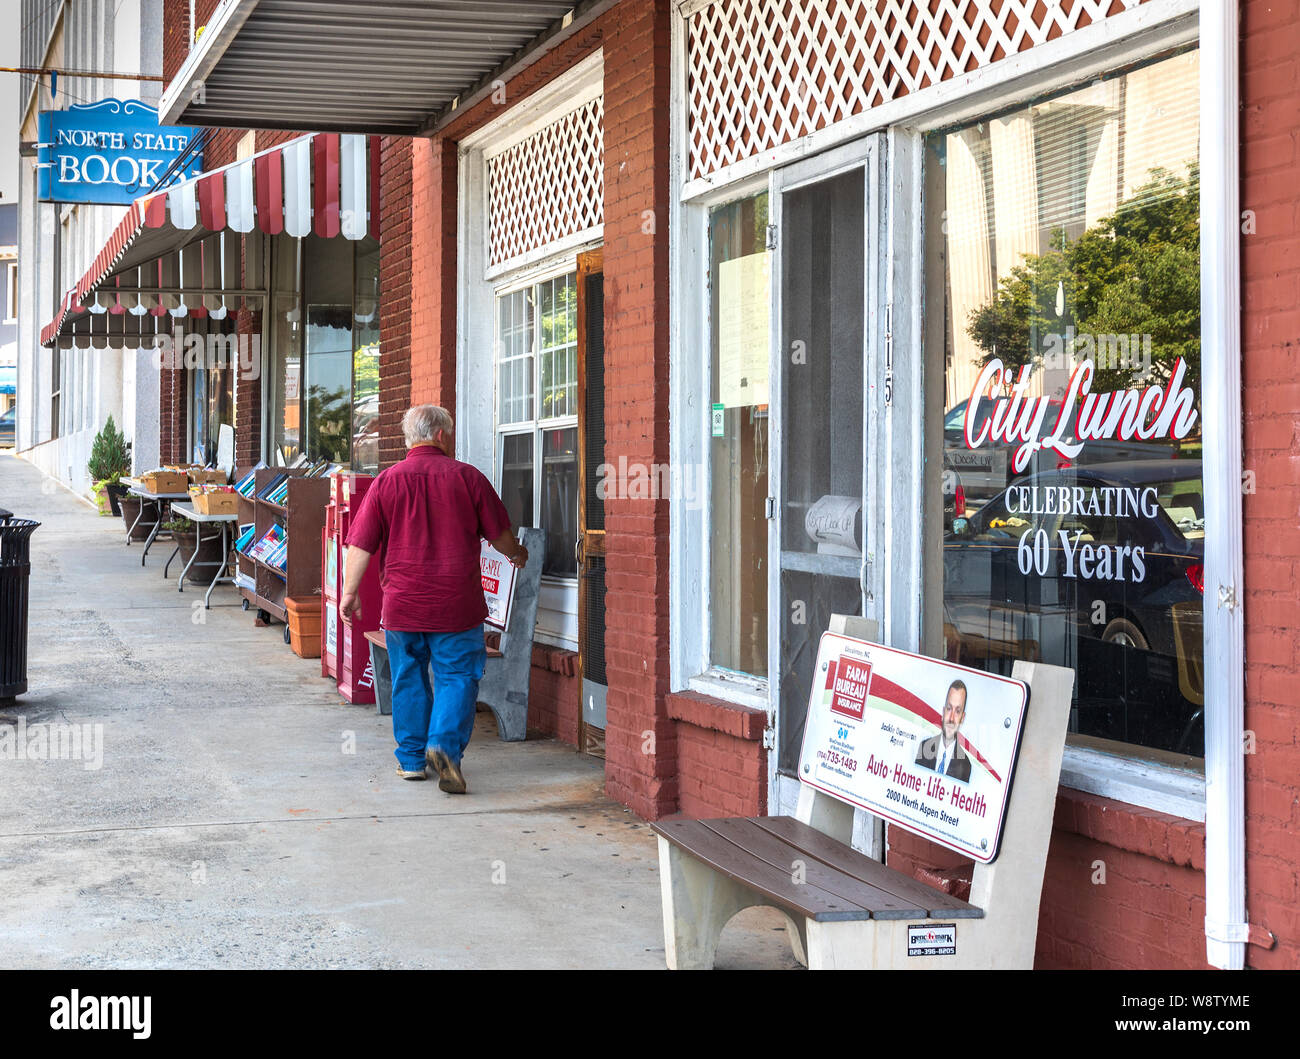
(441, 716)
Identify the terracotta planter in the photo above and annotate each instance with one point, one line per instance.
(101, 500)
(130, 508)
(304, 626)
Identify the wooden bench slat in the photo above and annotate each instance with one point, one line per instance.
(937, 904)
(781, 853)
(730, 860)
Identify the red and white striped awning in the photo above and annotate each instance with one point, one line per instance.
(195, 250)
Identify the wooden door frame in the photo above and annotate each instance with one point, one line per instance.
(590, 542)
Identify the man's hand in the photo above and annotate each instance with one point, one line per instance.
(511, 549)
(349, 602)
(350, 606)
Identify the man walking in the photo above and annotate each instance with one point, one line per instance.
(424, 517)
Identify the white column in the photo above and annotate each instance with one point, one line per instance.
(1225, 832)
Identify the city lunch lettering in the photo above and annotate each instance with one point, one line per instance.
(1130, 415)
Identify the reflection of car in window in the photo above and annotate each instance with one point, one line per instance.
(1058, 561)
(984, 472)
(7, 426)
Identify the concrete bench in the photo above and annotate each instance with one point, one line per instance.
(844, 909)
(508, 672)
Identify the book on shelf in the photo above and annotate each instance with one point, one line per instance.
(270, 540)
(246, 534)
(323, 469)
(278, 556)
(271, 486)
(247, 485)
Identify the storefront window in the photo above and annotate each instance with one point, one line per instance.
(738, 446)
(1074, 525)
(537, 381)
(325, 364)
(199, 414)
(285, 329)
(328, 302)
(365, 359)
(212, 404)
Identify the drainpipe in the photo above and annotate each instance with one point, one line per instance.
(1226, 928)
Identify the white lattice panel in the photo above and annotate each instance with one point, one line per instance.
(765, 72)
(547, 186)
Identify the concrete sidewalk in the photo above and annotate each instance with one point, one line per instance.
(244, 815)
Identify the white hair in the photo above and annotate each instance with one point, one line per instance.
(423, 421)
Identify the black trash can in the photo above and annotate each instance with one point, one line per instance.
(15, 566)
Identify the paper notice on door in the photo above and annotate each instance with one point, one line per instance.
(744, 330)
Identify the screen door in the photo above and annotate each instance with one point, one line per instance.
(822, 539)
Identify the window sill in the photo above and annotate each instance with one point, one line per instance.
(732, 688)
(550, 638)
(717, 715)
(1141, 784)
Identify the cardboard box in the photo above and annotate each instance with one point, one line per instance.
(201, 477)
(217, 503)
(165, 482)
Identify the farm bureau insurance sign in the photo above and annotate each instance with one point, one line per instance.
(873, 714)
(111, 151)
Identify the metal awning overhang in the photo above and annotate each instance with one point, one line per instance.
(369, 66)
(194, 252)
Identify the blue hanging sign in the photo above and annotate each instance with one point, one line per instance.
(110, 151)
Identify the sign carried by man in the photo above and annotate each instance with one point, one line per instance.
(498, 575)
(918, 741)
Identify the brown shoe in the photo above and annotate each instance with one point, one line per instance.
(450, 778)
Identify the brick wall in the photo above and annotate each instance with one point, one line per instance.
(721, 765)
(395, 286)
(1270, 124)
(173, 416)
(248, 395)
(176, 30)
(433, 273)
(636, 49)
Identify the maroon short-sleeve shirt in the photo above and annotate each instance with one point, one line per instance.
(424, 518)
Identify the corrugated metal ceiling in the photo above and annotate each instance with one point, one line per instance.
(369, 66)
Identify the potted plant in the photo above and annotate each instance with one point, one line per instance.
(110, 458)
